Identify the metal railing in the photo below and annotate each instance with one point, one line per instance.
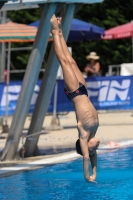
(22, 71)
(116, 72)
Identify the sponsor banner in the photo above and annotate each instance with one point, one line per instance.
(106, 93)
(9, 102)
(111, 93)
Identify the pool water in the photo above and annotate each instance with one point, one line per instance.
(65, 181)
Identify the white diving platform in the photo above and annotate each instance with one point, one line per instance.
(28, 4)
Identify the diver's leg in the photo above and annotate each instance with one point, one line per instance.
(70, 78)
(69, 57)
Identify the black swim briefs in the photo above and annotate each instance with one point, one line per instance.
(80, 91)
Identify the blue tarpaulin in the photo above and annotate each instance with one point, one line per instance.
(81, 30)
(106, 93)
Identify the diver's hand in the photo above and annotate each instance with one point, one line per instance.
(90, 180)
(93, 177)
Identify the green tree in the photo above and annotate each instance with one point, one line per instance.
(107, 14)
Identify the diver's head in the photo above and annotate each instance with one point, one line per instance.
(93, 143)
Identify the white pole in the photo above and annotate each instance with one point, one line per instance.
(132, 43)
(8, 78)
(55, 98)
(132, 49)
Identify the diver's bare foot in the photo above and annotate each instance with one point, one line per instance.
(54, 24)
(59, 24)
(59, 20)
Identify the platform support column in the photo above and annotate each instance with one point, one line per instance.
(29, 82)
(47, 86)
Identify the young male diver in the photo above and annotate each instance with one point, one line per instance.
(75, 90)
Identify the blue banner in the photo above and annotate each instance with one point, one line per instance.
(111, 93)
(106, 93)
(8, 102)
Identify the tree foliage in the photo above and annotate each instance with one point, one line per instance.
(108, 14)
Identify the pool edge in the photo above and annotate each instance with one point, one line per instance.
(43, 161)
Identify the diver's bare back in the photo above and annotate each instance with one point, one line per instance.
(86, 113)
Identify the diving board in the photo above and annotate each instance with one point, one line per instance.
(28, 4)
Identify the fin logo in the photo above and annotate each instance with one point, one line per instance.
(13, 95)
(109, 90)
